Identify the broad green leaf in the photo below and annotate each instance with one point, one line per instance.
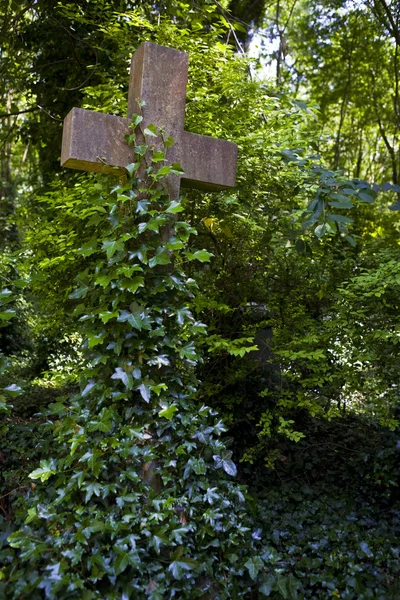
(178, 567)
(320, 230)
(47, 469)
(141, 150)
(188, 351)
(90, 385)
(89, 248)
(169, 412)
(254, 566)
(122, 561)
(126, 378)
(6, 315)
(201, 255)
(267, 585)
(339, 218)
(160, 259)
(174, 207)
(166, 170)
(343, 204)
(133, 319)
(158, 156)
(144, 392)
(367, 196)
(132, 168)
(351, 240)
(229, 467)
(107, 315)
(32, 515)
(112, 246)
(13, 390)
(134, 284)
(104, 280)
(95, 339)
(151, 130)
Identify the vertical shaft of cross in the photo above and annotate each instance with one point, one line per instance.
(158, 80)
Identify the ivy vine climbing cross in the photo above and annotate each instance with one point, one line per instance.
(94, 141)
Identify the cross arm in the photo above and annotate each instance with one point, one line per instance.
(208, 163)
(94, 141)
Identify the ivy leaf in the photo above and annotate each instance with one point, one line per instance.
(144, 392)
(133, 318)
(112, 246)
(151, 130)
(121, 563)
(166, 170)
(201, 255)
(79, 293)
(188, 351)
(47, 469)
(13, 390)
(254, 566)
(132, 168)
(104, 280)
(174, 207)
(158, 156)
(107, 315)
(183, 313)
(92, 488)
(88, 387)
(95, 339)
(141, 150)
(168, 413)
(366, 549)
(89, 248)
(159, 259)
(134, 284)
(161, 360)
(225, 463)
(178, 567)
(128, 270)
(126, 378)
(267, 585)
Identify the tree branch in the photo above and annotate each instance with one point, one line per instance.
(393, 29)
(19, 112)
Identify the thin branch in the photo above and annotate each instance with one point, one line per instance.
(393, 29)
(51, 116)
(21, 487)
(388, 145)
(19, 112)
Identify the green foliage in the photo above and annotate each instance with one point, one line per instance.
(132, 503)
(297, 250)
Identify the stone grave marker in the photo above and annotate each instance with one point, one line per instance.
(94, 141)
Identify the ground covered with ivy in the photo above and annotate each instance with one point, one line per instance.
(325, 528)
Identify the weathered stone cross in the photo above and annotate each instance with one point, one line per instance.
(94, 141)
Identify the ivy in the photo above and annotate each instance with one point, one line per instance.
(133, 502)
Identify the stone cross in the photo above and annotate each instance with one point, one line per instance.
(94, 141)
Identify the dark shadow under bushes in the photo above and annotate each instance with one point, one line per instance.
(330, 511)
